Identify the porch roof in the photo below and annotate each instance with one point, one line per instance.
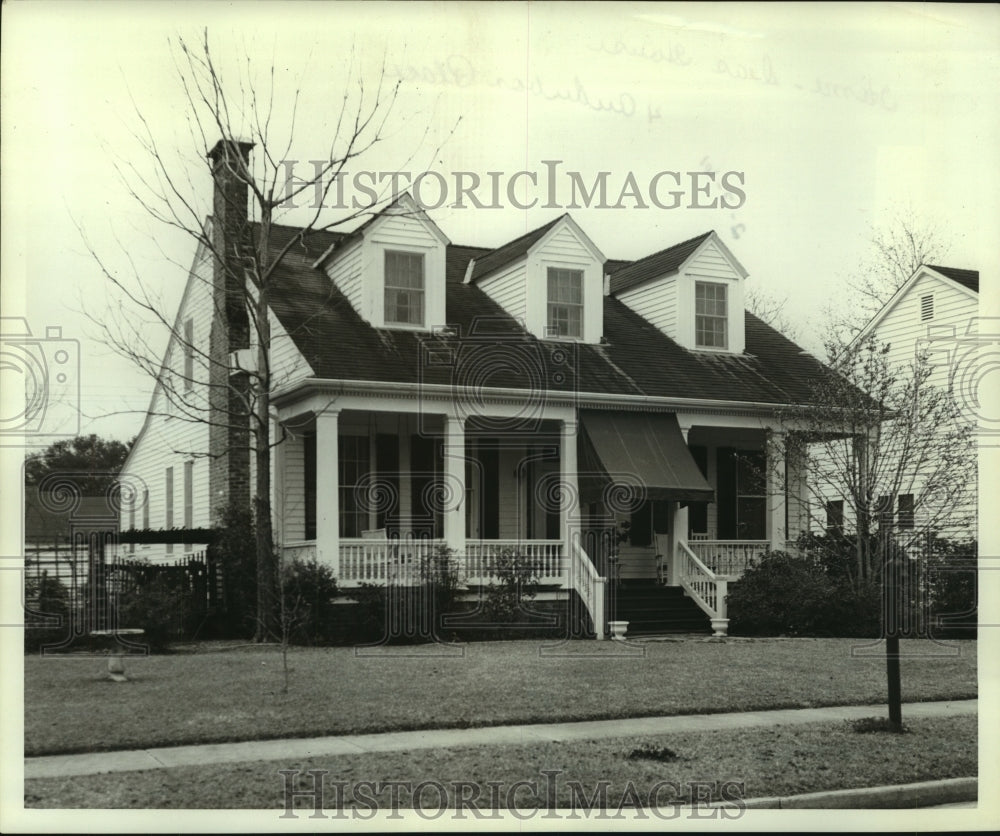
(646, 450)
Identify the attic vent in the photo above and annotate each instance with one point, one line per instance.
(927, 307)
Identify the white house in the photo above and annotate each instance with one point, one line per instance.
(535, 396)
(934, 311)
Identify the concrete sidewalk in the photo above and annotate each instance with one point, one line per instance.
(296, 749)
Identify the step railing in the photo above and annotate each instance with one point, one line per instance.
(728, 557)
(589, 585)
(707, 589)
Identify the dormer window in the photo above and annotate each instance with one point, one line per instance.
(404, 288)
(565, 317)
(710, 322)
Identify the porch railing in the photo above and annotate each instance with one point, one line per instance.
(380, 561)
(706, 588)
(544, 557)
(728, 557)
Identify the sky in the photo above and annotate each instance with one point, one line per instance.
(833, 118)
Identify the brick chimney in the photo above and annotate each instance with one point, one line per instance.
(229, 430)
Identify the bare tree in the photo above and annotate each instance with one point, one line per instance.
(898, 248)
(226, 118)
(899, 432)
(771, 309)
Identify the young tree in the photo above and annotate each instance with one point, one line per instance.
(227, 118)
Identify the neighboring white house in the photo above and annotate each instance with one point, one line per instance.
(934, 311)
(532, 396)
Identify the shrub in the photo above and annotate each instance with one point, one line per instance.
(410, 614)
(308, 613)
(514, 581)
(160, 607)
(235, 551)
(48, 598)
(783, 594)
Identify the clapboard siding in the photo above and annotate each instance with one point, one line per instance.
(175, 434)
(902, 326)
(293, 510)
(344, 270)
(404, 231)
(656, 302)
(710, 263)
(564, 246)
(508, 289)
(287, 362)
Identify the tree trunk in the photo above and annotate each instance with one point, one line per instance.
(267, 563)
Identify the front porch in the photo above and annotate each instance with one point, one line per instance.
(376, 495)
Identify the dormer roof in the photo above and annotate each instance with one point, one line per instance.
(404, 204)
(520, 247)
(666, 262)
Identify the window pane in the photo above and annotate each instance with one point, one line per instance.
(404, 288)
(710, 315)
(565, 291)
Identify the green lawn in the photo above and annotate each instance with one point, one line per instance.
(70, 706)
(766, 762)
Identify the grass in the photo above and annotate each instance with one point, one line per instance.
(765, 761)
(70, 706)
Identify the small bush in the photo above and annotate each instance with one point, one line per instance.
(162, 609)
(649, 752)
(235, 550)
(48, 598)
(410, 614)
(308, 611)
(876, 725)
(514, 582)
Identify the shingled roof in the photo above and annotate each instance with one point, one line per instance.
(637, 359)
(511, 251)
(966, 278)
(658, 264)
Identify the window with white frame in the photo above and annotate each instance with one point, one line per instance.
(711, 315)
(565, 288)
(404, 288)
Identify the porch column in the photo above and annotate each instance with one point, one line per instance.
(328, 491)
(775, 465)
(569, 479)
(454, 487)
(678, 531)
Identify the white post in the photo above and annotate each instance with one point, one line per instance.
(328, 490)
(569, 497)
(454, 487)
(775, 464)
(678, 531)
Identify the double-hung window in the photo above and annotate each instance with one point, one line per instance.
(711, 315)
(565, 302)
(404, 288)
